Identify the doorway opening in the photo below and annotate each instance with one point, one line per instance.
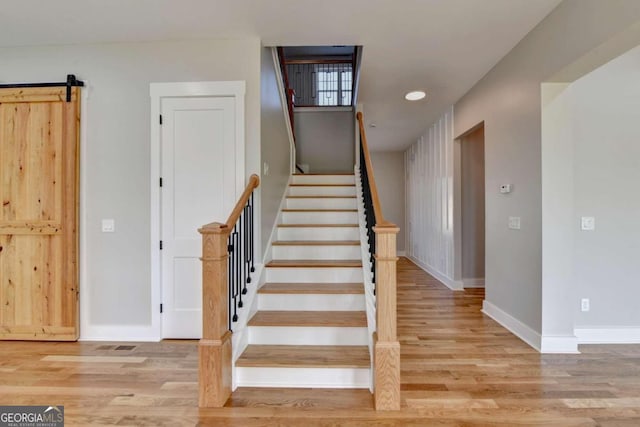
(472, 207)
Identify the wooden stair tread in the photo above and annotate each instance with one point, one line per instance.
(312, 288)
(316, 243)
(305, 356)
(315, 263)
(317, 225)
(321, 197)
(309, 318)
(319, 210)
(322, 185)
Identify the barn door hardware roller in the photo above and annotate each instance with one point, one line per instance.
(71, 82)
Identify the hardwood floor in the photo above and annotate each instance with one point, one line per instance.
(458, 368)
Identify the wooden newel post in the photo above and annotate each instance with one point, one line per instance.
(386, 347)
(215, 346)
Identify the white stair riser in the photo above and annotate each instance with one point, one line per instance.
(311, 302)
(302, 377)
(323, 179)
(308, 335)
(319, 217)
(322, 191)
(336, 252)
(314, 275)
(320, 203)
(318, 233)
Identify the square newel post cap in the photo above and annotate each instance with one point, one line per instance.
(214, 228)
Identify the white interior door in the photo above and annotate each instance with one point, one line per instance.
(198, 170)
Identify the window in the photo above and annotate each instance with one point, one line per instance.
(327, 88)
(321, 84)
(334, 83)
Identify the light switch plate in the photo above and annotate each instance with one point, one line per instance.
(108, 226)
(506, 188)
(588, 223)
(514, 222)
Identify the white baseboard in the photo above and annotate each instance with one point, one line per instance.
(401, 253)
(455, 285)
(477, 282)
(621, 335)
(125, 333)
(564, 344)
(516, 327)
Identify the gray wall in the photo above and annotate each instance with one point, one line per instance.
(388, 168)
(275, 147)
(118, 148)
(605, 106)
(472, 210)
(324, 139)
(508, 100)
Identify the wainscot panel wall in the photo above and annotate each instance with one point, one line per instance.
(429, 169)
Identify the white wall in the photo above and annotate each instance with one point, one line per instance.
(118, 149)
(605, 106)
(275, 148)
(557, 213)
(508, 100)
(591, 166)
(388, 168)
(472, 206)
(325, 138)
(429, 166)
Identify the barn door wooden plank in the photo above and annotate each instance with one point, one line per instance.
(39, 214)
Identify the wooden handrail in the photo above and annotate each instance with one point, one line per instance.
(288, 91)
(318, 61)
(254, 182)
(377, 209)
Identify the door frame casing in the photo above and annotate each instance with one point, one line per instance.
(157, 91)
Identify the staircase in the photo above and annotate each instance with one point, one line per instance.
(310, 329)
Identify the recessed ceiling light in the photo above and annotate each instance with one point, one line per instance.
(415, 95)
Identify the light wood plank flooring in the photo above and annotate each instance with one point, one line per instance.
(458, 368)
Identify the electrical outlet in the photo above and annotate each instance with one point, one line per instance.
(584, 304)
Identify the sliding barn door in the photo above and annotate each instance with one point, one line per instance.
(39, 213)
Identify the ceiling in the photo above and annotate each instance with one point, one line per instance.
(441, 46)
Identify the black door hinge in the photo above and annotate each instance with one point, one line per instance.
(160, 182)
(160, 244)
(160, 118)
(160, 308)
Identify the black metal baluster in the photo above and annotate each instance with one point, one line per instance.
(245, 264)
(253, 269)
(240, 245)
(233, 254)
(370, 218)
(238, 277)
